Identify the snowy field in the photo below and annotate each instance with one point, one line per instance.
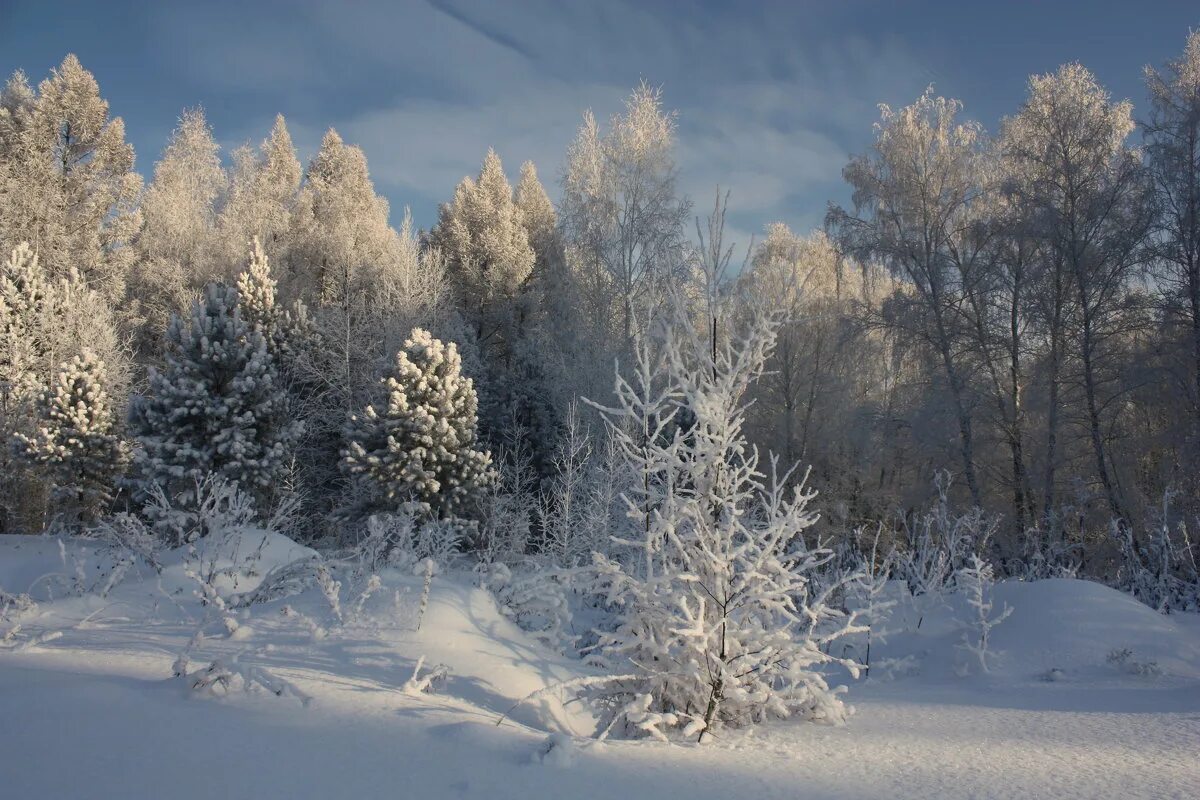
(90, 709)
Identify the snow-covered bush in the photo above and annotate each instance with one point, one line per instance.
(421, 445)
(1123, 660)
(974, 581)
(937, 544)
(537, 598)
(1048, 554)
(718, 619)
(283, 580)
(1159, 567)
(211, 505)
(404, 538)
(12, 608)
(128, 539)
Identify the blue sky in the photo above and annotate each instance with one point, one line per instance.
(772, 97)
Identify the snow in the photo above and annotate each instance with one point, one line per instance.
(96, 713)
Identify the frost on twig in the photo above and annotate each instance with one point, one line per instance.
(221, 678)
(430, 682)
(975, 581)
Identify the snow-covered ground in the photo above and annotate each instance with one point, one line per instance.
(95, 713)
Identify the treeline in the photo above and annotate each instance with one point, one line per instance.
(1021, 309)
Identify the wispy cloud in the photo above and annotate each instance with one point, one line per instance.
(770, 103)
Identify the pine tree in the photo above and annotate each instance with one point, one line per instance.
(217, 407)
(75, 441)
(44, 322)
(23, 300)
(421, 446)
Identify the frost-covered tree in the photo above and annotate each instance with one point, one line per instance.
(415, 290)
(262, 196)
(25, 295)
(572, 514)
(216, 407)
(340, 224)
(482, 236)
(1173, 147)
(75, 441)
(177, 246)
(16, 105)
(719, 620)
(344, 254)
(179, 209)
(68, 181)
(421, 446)
(622, 215)
(556, 349)
(23, 314)
(825, 395)
(541, 225)
(916, 201)
(1088, 187)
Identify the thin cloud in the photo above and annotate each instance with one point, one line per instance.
(489, 33)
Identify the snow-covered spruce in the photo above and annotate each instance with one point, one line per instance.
(421, 445)
(216, 408)
(719, 622)
(285, 330)
(75, 442)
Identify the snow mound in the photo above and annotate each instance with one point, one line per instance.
(492, 662)
(1081, 628)
(1060, 630)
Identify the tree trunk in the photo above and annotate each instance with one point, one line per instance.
(1089, 386)
(1048, 498)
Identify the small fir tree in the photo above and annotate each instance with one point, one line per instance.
(75, 441)
(421, 445)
